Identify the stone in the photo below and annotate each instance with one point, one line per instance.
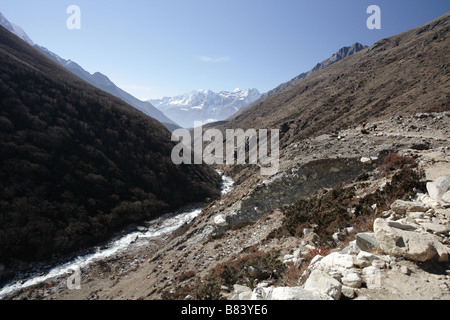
(401, 207)
(220, 221)
(351, 248)
(366, 241)
(415, 215)
(348, 292)
(352, 279)
(366, 160)
(296, 293)
(439, 187)
(405, 270)
(436, 228)
(446, 197)
(336, 260)
(258, 294)
(413, 244)
(323, 283)
(372, 277)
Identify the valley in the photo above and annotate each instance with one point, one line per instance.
(351, 213)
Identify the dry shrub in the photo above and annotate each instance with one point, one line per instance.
(395, 161)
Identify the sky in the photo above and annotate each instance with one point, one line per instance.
(156, 48)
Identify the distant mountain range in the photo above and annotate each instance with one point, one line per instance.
(204, 105)
(97, 79)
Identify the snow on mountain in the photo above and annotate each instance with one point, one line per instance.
(204, 105)
(97, 79)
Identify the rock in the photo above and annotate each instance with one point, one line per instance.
(446, 197)
(351, 248)
(372, 277)
(428, 201)
(366, 160)
(220, 221)
(323, 283)
(438, 188)
(415, 215)
(258, 294)
(401, 207)
(296, 293)
(352, 279)
(348, 292)
(366, 241)
(413, 244)
(405, 270)
(436, 228)
(336, 260)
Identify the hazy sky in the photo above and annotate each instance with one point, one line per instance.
(167, 47)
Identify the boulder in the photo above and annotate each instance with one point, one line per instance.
(446, 197)
(241, 293)
(296, 293)
(352, 280)
(397, 239)
(372, 277)
(335, 260)
(439, 187)
(401, 207)
(220, 221)
(366, 160)
(366, 241)
(323, 283)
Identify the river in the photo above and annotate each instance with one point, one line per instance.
(157, 228)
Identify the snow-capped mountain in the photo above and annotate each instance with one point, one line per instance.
(11, 27)
(97, 79)
(204, 105)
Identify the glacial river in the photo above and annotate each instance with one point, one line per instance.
(157, 228)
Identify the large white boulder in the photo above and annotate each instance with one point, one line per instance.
(296, 293)
(403, 240)
(401, 207)
(439, 187)
(323, 283)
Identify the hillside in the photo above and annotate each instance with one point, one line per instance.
(400, 75)
(76, 163)
(338, 56)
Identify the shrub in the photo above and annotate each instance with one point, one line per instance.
(395, 161)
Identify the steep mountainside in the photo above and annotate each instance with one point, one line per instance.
(403, 74)
(76, 163)
(338, 56)
(97, 79)
(205, 105)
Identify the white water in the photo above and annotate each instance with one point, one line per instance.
(159, 227)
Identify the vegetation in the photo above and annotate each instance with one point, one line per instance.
(77, 164)
(338, 208)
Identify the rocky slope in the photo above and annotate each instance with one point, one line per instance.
(338, 56)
